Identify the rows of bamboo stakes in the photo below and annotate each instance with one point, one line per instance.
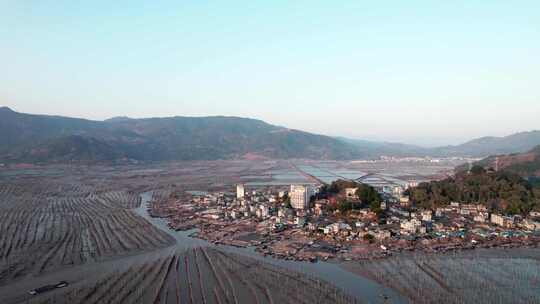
(44, 227)
(203, 275)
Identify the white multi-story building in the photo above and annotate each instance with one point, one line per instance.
(265, 212)
(240, 191)
(300, 195)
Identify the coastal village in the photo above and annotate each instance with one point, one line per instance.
(308, 222)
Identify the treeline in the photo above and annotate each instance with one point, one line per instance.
(503, 192)
(367, 195)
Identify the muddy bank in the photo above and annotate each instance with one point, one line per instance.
(479, 276)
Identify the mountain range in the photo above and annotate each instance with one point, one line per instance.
(42, 138)
(45, 138)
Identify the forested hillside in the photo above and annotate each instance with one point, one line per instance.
(43, 138)
(500, 191)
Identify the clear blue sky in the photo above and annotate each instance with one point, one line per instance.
(427, 72)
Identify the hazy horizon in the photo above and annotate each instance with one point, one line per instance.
(423, 142)
(416, 72)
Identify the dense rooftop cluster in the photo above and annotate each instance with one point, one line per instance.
(345, 219)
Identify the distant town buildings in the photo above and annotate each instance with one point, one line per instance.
(503, 221)
(325, 227)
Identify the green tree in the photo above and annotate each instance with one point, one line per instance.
(345, 206)
(369, 237)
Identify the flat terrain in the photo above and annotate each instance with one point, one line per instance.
(77, 224)
(49, 225)
(481, 276)
(200, 275)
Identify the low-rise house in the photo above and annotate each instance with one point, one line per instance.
(265, 211)
(300, 221)
(497, 219)
(212, 216)
(530, 224)
(410, 226)
(481, 208)
(534, 214)
(467, 209)
(285, 212)
(327, 230)
(509, 222)
(399, 211)
(337, 227)
(404, 201)
(313, 226)
(503, 221)
(380, 234)
(480, 217)
(350, 192)
(397, 191)
(458, 224)
(438, 227)
(426, 215)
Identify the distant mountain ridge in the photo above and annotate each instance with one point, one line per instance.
(39, 138)
(490, 145)
(377, 149)
(480, 147)
(42, 138)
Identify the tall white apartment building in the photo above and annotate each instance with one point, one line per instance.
(300, 195)
(240, 191)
